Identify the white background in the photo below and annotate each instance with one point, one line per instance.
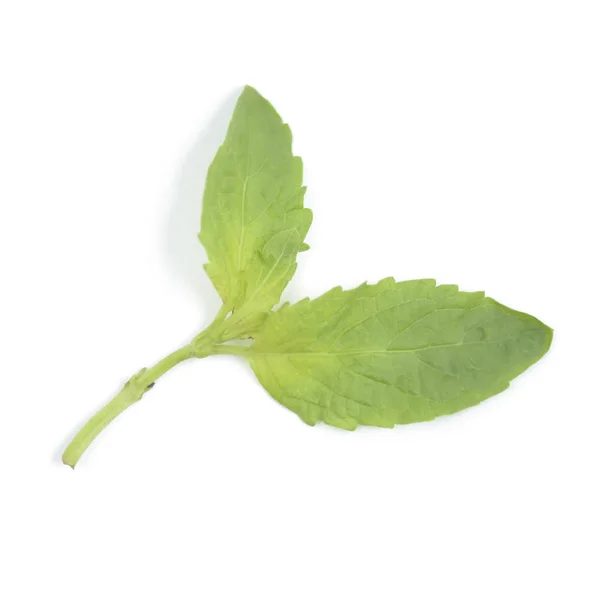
(455, 140)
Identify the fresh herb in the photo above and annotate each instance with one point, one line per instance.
(383, 354)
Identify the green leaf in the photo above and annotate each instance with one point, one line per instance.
(393, 352)
(253, 219)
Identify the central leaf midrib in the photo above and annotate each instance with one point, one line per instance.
(367, 352)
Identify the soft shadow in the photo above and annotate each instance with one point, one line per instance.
(183, 251)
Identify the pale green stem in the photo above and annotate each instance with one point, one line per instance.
(139, 384)
(131, 393)
(230, 349)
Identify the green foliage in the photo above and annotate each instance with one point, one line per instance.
(253, 219)
(377, 355)
(393, 353)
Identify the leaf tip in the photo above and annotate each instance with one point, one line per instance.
(548, 334)
(248, 89)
